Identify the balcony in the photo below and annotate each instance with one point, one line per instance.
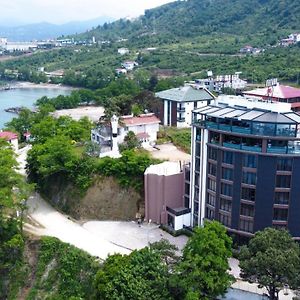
(242, 147)
(181, 109)
(180, 120)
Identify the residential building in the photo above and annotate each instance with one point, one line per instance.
(11, 138)
(250, 50)
(123, 51)
(166, 196)
(129, 65)
(246, 165)
(145, 127)
(120, 71)
(222, 81)
(291, 40)
(177, 104)
(278, 92)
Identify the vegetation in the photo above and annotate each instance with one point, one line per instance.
(272, 259)
(179, 137)
(63, 272)
(13, 194)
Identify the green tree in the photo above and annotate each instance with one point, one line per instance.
(141, 275)
(272, 259)
(203, 271)
(130, 142)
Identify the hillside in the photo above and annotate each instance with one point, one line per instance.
(193, 17)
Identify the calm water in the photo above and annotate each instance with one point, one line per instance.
(24, 97)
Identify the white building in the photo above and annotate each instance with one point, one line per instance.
(145, 127)
(178, 104)
(129, 65)
(120, 71)
(123, 51)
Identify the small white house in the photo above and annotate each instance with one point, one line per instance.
(120, 71)
(123, 51)
(11, 138)
(145, 127)
(129, 65)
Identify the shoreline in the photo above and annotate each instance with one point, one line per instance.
(31, 85)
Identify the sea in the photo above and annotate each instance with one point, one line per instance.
(25, 97)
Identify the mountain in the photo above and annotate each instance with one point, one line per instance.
(44, 30)
(197, 17)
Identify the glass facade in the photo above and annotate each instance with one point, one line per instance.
(283, 181)
(227, 174)
(249, 178)
(248, 194)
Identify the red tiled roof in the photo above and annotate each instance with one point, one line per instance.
(143, 135)
(8, 135)
(141, 120)
(278, 91)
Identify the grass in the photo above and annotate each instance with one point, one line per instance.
(180, 137)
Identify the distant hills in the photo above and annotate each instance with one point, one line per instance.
(44, 30)
(190, 18)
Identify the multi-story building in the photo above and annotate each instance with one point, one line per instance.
(245, 166)
(177, 104)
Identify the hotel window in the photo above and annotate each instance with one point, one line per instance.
(225, 220)
(196, 208)
(247, 210)
(197, 178)
(226, 189)
(212, 169)
(214, 138)
(282, 198)
(186, 202)
(246, 225)
(250, 161)
(196, 193)
(284, 164)
(209, 213)
(249, 178)
(227, 174)
(197, 164)
(248, 194)
(198, 147)
(198, 134)
(283, 181)
(212, 153)
(211, 200)
(187, 188)
(228, 157)
(212, 185)
(225, 204)
(280, 214)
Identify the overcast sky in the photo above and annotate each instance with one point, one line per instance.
(62, 11)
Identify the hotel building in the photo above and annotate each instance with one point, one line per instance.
(245, 169)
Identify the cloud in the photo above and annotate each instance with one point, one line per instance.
(62, 11)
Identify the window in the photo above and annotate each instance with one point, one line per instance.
(198, 134)
(249, 178)
(248, 194)
(283, 181)
(246, 225)
(227, 174)
(212, 169)
(212, 185)
(197, 178)
(186, 202)
(225, 220)
(187, 188)
(228, 157)
(280, 214)
(250, 161)
(247, 210)
(209, 213)
(284, 164)
(196, 207)
(198, 145)
(197, 164)
(226, 189)
(212, 153)
(282, 198)
(225, 204)
(211, 200)
(196, 193)
(214, 138)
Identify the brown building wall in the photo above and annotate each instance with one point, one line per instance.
(160, 192)
(174, 113)
(160, 111)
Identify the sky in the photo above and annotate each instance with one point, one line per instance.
(63, 11)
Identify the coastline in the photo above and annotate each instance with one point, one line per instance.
(31, 85)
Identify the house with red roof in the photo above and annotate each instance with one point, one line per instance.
(280, 93)
(11, 138)
(144, 126)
